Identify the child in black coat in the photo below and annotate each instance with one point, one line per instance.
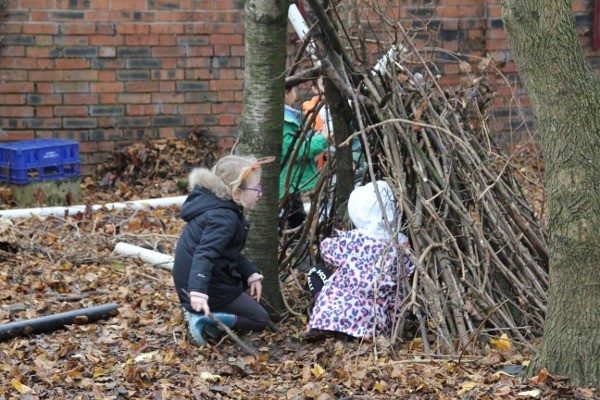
(210, 271)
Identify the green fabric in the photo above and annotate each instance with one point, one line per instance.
(304, 174)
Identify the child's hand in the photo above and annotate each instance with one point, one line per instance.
(200, 304)
(255, 290)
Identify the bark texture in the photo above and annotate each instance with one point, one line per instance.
(565, 95)
(261, 129)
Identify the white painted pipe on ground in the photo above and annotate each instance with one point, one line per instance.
(151, 257)
(72, 210)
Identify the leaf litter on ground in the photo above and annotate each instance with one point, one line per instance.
(54, 264)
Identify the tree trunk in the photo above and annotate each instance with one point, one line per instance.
(343, 155)
(565, 96)
(261, 130)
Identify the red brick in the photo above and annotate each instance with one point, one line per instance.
(187, 16)
(239, 51)
(78, 75)
(105, 40)
(227, 5)
(88, 147)
(226, 84)
(14, 136)
(71, 111)
(227, 120)
(161, 52)
(167, 40)
(72, 63)
(227, 39)
(41, 16)
(40, 29)
(45, 87)
(44, 63)
(45, 76)
(201, 120)
(186, 109)
(105, 29)
(47, 99)
(13, 51)
(142, 40)
(141, 86)
(135, 5)
(102, 16)
(37, 4)
(14, 76)
(226, 108)
(13, 99)
(106, 146)
(107, 76)
(78, 29)
(43, 40)
(80, 98)
(134, 98)
(106, 87)
(134, 110)
(222, 50)
(13, 111)
(174, 29)
(197, 4)
(166, 132)
(171, 63)
(133, 29)
(166, 87)
(200, 51)
(16, 87)
(108, 98)
(168, 109)
(164, 75)
(71, 87)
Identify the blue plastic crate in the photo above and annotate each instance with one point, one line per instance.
(39, 160)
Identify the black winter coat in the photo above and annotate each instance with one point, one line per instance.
(208, 258)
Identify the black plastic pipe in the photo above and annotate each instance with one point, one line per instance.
(56, 321)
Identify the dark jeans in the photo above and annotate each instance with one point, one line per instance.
(250, 316)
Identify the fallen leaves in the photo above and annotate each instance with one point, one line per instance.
(502, 343)
(56, 264)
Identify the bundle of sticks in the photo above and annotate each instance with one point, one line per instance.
(480, 247)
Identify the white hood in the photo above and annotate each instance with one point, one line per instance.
(366, 213)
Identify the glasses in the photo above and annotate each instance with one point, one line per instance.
(257, 188)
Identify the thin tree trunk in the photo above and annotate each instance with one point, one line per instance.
(565, 96)
(261, 130)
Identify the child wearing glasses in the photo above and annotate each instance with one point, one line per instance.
(210, 273)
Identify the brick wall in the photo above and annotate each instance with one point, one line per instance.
(109, 72)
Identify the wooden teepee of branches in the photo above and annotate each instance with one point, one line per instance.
(480, 249)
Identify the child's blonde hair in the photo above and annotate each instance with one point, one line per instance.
(233, 171)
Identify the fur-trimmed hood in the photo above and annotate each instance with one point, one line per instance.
(208, 192)
(205, 178)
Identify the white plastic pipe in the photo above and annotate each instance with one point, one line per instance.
(301, 28)
(297, 21)
(151, 257)
(72, 210)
